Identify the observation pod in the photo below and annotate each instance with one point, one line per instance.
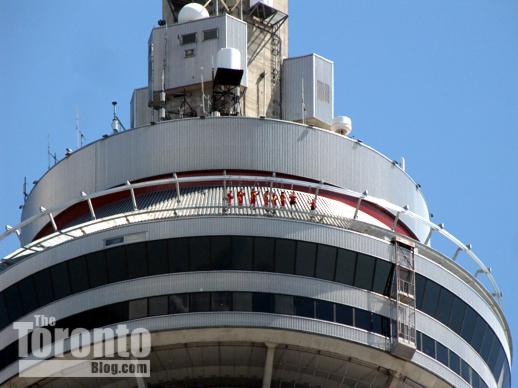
(259, 247)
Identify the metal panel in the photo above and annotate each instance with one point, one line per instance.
(181, 70)
(140, 113)
(315, 74)
(224, 143)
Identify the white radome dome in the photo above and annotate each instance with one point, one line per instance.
(192, 11)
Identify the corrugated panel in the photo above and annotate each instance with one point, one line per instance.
(224, 143)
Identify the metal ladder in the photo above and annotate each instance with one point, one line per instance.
(404, 331)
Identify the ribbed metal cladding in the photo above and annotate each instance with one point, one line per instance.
(224, 143)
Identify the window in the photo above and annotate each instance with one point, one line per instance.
(430, 297)
(221, 301)
(457, 314)
(304, 307)
(380, 324)
(60, 280)
(444, 306)
(178, 255)
(344, 315)
(138, 308)
(264, 254)
(284, 304)
(478, 335)
(382, 277)
(96, 263)
(465, 370)
(428, 345)
(486, 344)
(43, 286)
(158, 305)
(242, 253)
(468, 327)
(210, 34)
(12, 300)
(420, 283)
(3, 314)
(117, 264)
(364, 271)
(262, 302)
(78, 274)
(326, 258)
(199, 248)
(324, 310)
(345, 266)
(454, 362)
(28, 295)
(285, 256)
(137, 260)
(157, 257)
(305, 264)
(178, 303)
(221, 252)
(188, 38)
(363, 319)
(442, 354)
(189, 53)
(242, 301)
(199, 302)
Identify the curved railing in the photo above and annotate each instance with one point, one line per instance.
(60, 236)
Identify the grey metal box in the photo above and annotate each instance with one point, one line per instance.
(314, 74)
(190, 49)
(141, 114)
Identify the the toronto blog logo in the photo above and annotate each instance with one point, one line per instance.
(47, 350)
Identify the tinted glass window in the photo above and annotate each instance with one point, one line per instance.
(326, 260)
(487, 344)
(285, 256)
(284, 304)
(157, 257)
(78, 274)
(420, 282)
(13, 302)
(442, 353)
(380, 324)
(345, 266)
(262, 302)
(242, 253)
(468, 327)
(465, 370)
(428, 345)
(96, 263)
(138, 308)
(430, 297)
(454, 362)
(457, 314)
(344, 315)
(264, 254)
(305, 264)
(137, 260)
(221, 252)
(364, 270)
(199, 248)
(178, 303)
(3, 313)
(382, 277)
(60, 280)
(221, 301)
(324, 310)
(362, 319)
(28, 295)
(304, 307)
(242, 301)
(444, 306)
(419, 342)
(210, 34)
(43, 287)
(178, 255)
(117, 264)
(200, 301)
(158, 305)
(478, 334)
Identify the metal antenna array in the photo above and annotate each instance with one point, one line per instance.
(50, 155)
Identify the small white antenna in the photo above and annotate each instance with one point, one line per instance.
(25, 195)
(202, 92)
(79, 135)
(50, 155)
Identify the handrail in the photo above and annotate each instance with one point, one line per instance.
(398, 210)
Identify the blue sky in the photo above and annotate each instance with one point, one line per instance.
(433, 81)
